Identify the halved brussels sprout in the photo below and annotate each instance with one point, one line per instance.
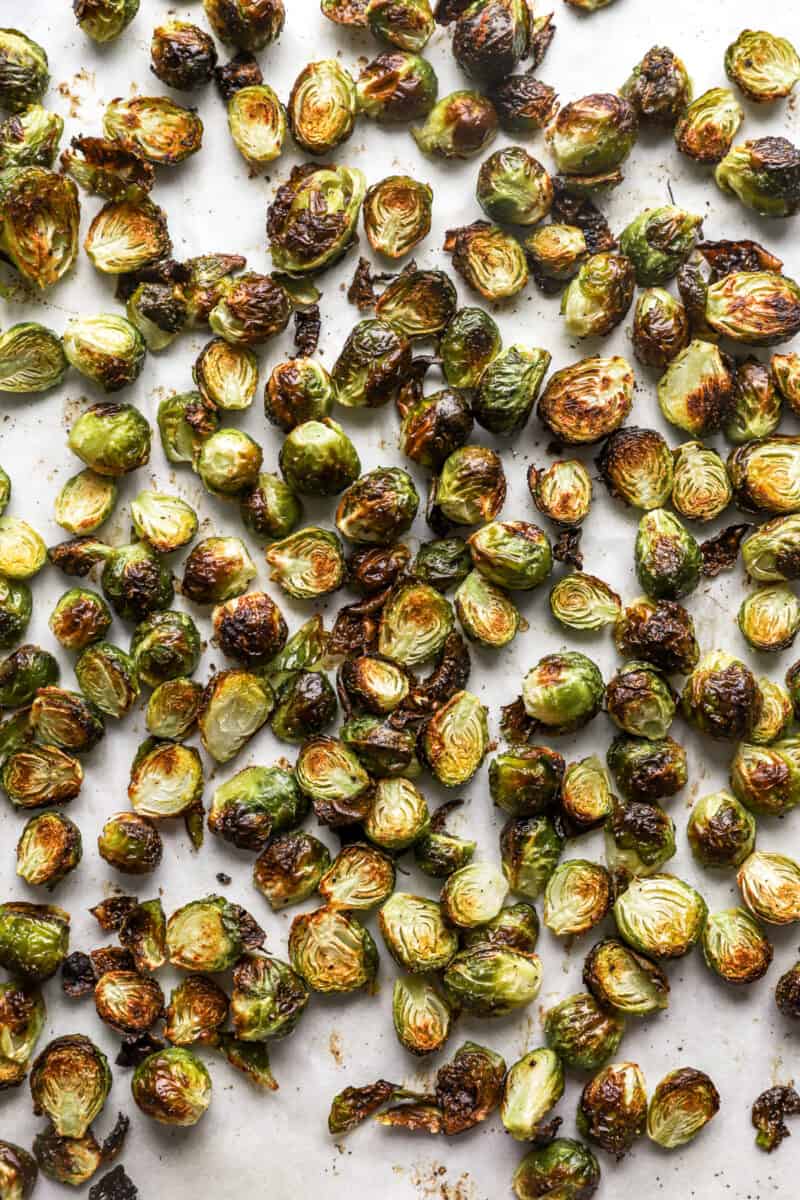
(398, 815)
(755, 307)
(471, 487)
(360, 877)
(777, 713)
(197, 1009)
(229, 462)
(563, 1164)
(660, 327)
(765, 475)
(165, 646)
(636, 465)
(443, 563)
(530, 848)
(318, 459)
(143, 931)
(397, 212)
(373, 365)
(772, 551)
(271, 509)
(599, 296)
(563, 691)
(593, 135)
(381, 749)
(24, 73)
(770, 887)
(65, 719)
(577, 897)
(23, 673)
(332, 951)
(22, 551)
(227, 375)
(172, 1086)
(787, 992)
(581, 601)
(756, 408)
(112, 439)
(130, 843)
(763, 66)
(334, 780)
(256, 804)
(491, 980)
(640, 701)
(127, 1001)
(701, 489)
(422, 1015)
(533, 1086)
(159, 312)
(460, 125)
(473, 895)
(127, 235)
(562, 491)
(322, 106)
(555, 253)
(785, 370)
(22, 1019)
(70, 1081)
(658, 241)
(467, 349)
(514, 188)
(511, 554)
(173, 709)
(210, 935)
(217, 569)
(49, 848)
(404, 23)
(587, 400)
(250, 309)
(624, 980)
(639, 839)
(165, 522)
(660, 915)
(417, 304)
(645, 769)
(298, 390)
(374, 683)
(235, 706)
(415, 933)
(155, 127)
(305, 704)
(585, 797)
(697, 389)
(735, 947)
(434, 427)
(525, 782)
(34, 939)
(85, 502)
(257, 124)
(415, 623)
(181, 55)
(166, 780)
(268, 998)
(16, 607)
(35, 776)
(668, 559)
(41, 214)
(290, 869)
(104, 168)
(721, 697)
(658, 88)
(706, 129)
(583, 1033)
(612, 1110)
(487, 613)
(312, 220)
(769, 617)
(395, 87)
(454, 741)
(683, 1102)
(308, 563)
(32, 359)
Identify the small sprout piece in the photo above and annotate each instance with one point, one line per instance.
(85, 502)
(514, 188)
(104, 168)
(396, 87)
(373, 365)
(640, 701)
(311, 222)
(660, 327)
(36, 776)
(70, 1081)
(271, 509)
(647, 770)
(763, 66)
(523, 103)
(16, 607)
(582, 1033)
(624, 980)
(32, 359)
(658, 88)
(443, 564)
(533, 1086)
(660, 915)
(422, 1015)
(473, 895)
(254, 805)
(397, 214)
(491, 980)
(770, 887)
(563, 1164)
(332, 952)
(334, 780)
(415, 623)
(290, 869)
(112, 439)
(172, 1086)
(612, 1110)
(159, 312)
(588, 400)
(415, 933)
(768, 1112)
(438, 853)
(23, 673)
(217, 569)
(735, 947)
(41, 214)
(398, 815)
(706, 130)
(130, 843)
(22, 1019)
(682, 1103)
(636, 465)
(562, 492)
(563, 691)
(759, 308)
(599, 296)
(318, 458)
(322, 106)
(143, 931)
(197, 1009)
(530, 848)
(526, 782)
(577, 897)
(786, 375)
(461, 125)
(24, 73)
(701, 489)
(48, 850)
(668, 559)
(594, 135)
(658, 242)
(268, 998)
(455, 739)
(721, 697)
(127, 235)
(184, 421)
(581, 601)
(418, 304)
(661, 632)
(127, 1001)
(787, 992)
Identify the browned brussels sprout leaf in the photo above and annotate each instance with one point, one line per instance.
(720, 552)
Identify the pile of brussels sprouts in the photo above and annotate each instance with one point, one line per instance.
(400, 651)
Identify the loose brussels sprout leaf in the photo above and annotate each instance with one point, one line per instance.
(374, 364)
(455, 739)
(397, 210)
(583, 1033)
(645, 769)
(577, 897)
(660, 915)
(130, 843)
(298, 390)
(735, 947)
(127, 235)
(593, 135)
(461, 125)
(764, 67)
(759, 308)
(668, 559)
(683, 1102)
(770, 887)
(35, 776)
(360, 877)
(166, 780)
(637, 468)
(24, 73)
(290, 869)
(257, 123)
(490, 261)
(104, 168)
(493, 980)
(268, 998)
(473, 895)
(32, 359)
(197, 1009)
(530, 848)
(526, 782)
(422, 1015)
(112, 439)
(640, 701)
(416, 934)
(562, 491)
(255, 804)
(721, 697)
(22, 1019)
(588, 400)
(563, 691)
(706, 129)
(624, 980)
(396, 87)
(486, 612)
(378, 507)
(332, 951)
(334, 780)
(312, 220)
(70, 1081)
(658, 88)
(562, 1165)
(322, 106)
(172, 1086)
(127, 1001)
(581, 601)
(41, 213)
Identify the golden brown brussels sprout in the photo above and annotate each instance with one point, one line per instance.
(530, 848)
(108, 677)
(104, 168)
(290, 869)
(34, 939)
(247, 24)
(755, 307)
(660, 328)
(32, 359)
(769, 617)
(562, 491)
(197, 1009)
(250, 628)
(660, 915)
(765, 475)
(639, 839)
(397, 86)
(22, 1018)
(318, 459)
(472, 486)
(378, 507)
(555, 253)
(322, 106)
(352, 13)
(461, 125)
(85, 502)
(107, 349)
(681, 1105)
(397, 214)
(104, 20)
(668, 559)
(492, 980)
(23, 673)
(143, 931)
(112, 439)
(127, 1001)
(770, 887)
(647, 769)
(70, 1081)
(136, 582)
(577, 897)
(30, 138)
(332, 951)
(312, 220)
(308, 563)
(373, 683)
(585, 799)
(621, 979)
(563, 692)
(697, 389)
(787, 992)
(298, 390)
(182, 56)
(251, 309)
(473, 895)
(268, 998)
(640, 701)
(155, 127)
(360, 877)
(562, 1165)
(416, 304)
(735, 947)
(130, 843)
(511, 554)
(588, 400)
(777, 713)
(257, 124)
(254, 805)
(636, 465)
(415, 623)
(770, 552)
(508, 389)
(454, 741)
(334, 780)
(706, 130)
(415, 933)
(658, 241)
(582, 1033)
(65, 719)
(701, 489)
(127, 235)
(763, 66)
(49, 848)
(599, 296)
(422, 1015)
(593, 135)
(486, 612)
(661, 632)
(24, 73)
(407, 24)
(165, 522)
(22, 551)
(235, 706)
(184, 421)
(35, 776)
(172, 1086)
(210, 935)
(721, 697)
(612, 1110)
(526, 782)
(40, 216)
(216, 570)
(166, 780)
(764, 174)
(305, 704)
(271, 509)
(514, 188)
(658, 88)
(173, 709)
(786, 376)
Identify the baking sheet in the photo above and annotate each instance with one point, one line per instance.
(276, 1145)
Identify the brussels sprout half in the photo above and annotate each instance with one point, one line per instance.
(311, 222)
(660, 915)
(588, 400)
(735, 947)
(624, 980)
(332, 952)
(256, 804)
(668, 559)
(770, 887)
(706, 129)
(172, 1086)
(290, 869)
(24, 73)
(422, 1015)
(41, 214)
(322, 108)
(563, 1163)
(397, 214)
(599, 296)
(612, 1110)
(660, 327)
(582, 601)
(70, 1081)
(32, 359)
(763, 66)
(257, 124)
(562, 492)
(395, 87)
(637, 468)
(682, 1104)
(593, 135)
(268, 998)
(127, 235)
(49, 848)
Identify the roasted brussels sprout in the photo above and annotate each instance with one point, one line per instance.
(360, 877)
(701, 489)
(562, 1165)
(416, 304)
(443, 564)
(415, 623)
(85, 502)
(491, 980)
(785, 370)
(173, 709)
(658, 88)
(640, 701)
(682, 1103)
(706, 129)
(765, 475)
(764, 67)
(511, 554)
(721, 697)
(197, 1009)
(136, 582)
(562, 491)
(593, 135)
(166, 780)
(229, 462)
(585, 798)
(127, 1001)
(514, 188)
(639, 839)
(104, 168)
(777, 713)
(312, 220)
(159, 312)
(34, 939)
(468, 346)
(398, 815)
(577, 897)
(735, 947)
(658, 241)
(271, 509)
(210, 935)
(454, 741)
(461, 125)
(756, 408)
(49, 848)
(334, 780)
(404, 23)
(305, 705)
(473, 895)
(268, 998)
(22, 551)
(769, 617)
(40, 223)
(227, 375)
(636, 465)
(770, 887)
(647, 770)
(668, 559)
(526, 782)
(422, 1015)
(108, 678)
(130, 843)
(298, 390)
(256, 804)
(755, 307)
(104, 20)
(508, 389)
(374, 684)
(623, 980)
(35, 776)
(555, 253)
(235, 706)
(378, 507)
(172, 1086)
(582, 601)
(127, 235)
(22, 1018)
(490, 261)
(250, 628)
(533, 1086)
(32, 359)
(612, 1110)
(472, 486)
(660, 327)
(661, 632)
(70, 1081)
(487, 613)
(530, 848)
(182, 56)
(397, 215)
(771, 551)
(308, 563)
(322, 106)
(563, 691)
(65, 719)
(583, 1033)
(660, 915)
(318, 458)
(112, 439)
(397, 86)
(16, 606)
(373, 365)
(290, 868)
(247, 24)
(251, 309)
(23, 673)
(588, 400)
(332, 951)
(184, 421)
(143, 932)
(155, 127)
(24, 73)
(217, 569)
(415, 933)
(599, 296)
(165, 522)
(787, 992)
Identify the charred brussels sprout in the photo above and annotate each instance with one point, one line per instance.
(229, 462)
(268, 998)
(112, 439)
(772, 551)
(298, 390)
(769, 617)
(526, 782)
(533, 1086)
(158, 312)
(334, 780)
(182, 56)
(108, 678)
(777, 713)
(563, 692)
(661, 632)
(582, 1033)
(472, 486)
(639, 838)
(235, 706)
(599, 296)
(658, 88)
(143, 932)
(612, 1110)
(217, 569)
(434, 426)
(70, 1081)
(588, 400)
(332, 951)
(562, 491)
(166, 780)
(104, 20)
(660, 915)
(24, 73)
(173, 709)
(318, 458)
(40, 223)
(250, 310)
(104, 168)
(322, 106)
(514, 188)
(373, 365)
(256, 804)
(701, 489)
(16, 606)
(136, 582)
(378, 507)
(585, 796)
(473, 895)
(360, 877)
(581, 601)
(155, 127)
(34, 939)
(787, 992)
(404, 23)
(491, 37)
(184, 421)
(756, 408)
(305, 704)
(755, 307)
(271, 509)
(196, 1011)
(706, 129)
(636, 465)
(35, 776)
(312, 220)
(32, 359)
(85, 502)
(764, 67)
(461, 125)
(130, 844)
(308, 563)
(493, 980)
(226, 375)
(417, 304)
(397, 214)
(373, 683)
(415, 623)
(422, 1015)
(22, 1019)
(397, 86)
(530, 849)
(290, 868)
(247, 24)
(23, 673)
(443, 564)
(668, 559)
(172, 1086)
(210, 935)
(593, 135)
(398, 815)
(492, 262)
(563, 1165)
(65, 719)
(48, 850)
(640, 701)
(127, 1001)
(127, 235)
(250, 628)
(721, 697)
(770, 887)
(765, 475)
(508, 389)
(468, 346)
(577, 897)
(660, 327)
(555, 253)
(682, 1104)
(658, 241)
(454, 741)
(735, 947)
(625, 981)
(511, 554)
(22, 551)
(645, 769)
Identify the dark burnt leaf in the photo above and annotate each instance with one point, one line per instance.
(571, 209)
(166, 271)
(768, 1112)
(194, 823)
(77, 975)
(523, 102)
(469, 1088)
(411, 389)
(114, 1186)
(440, 817)
(450, 675)
(116, 1138)
(353, 1105)
(111, 958)
(516, 727)
(135, 1049)
(307, 325)
(416, 1117)
(355, 630)
(110, 914)
(447, 11)
(242, 71)
(376, 568)
(546, 1132)
(566, 548)
(542, 35)
(223, 878)
(77, 556)
(725, 257)
(251, 933)
(361, 291)
(348, 835)
(721, 551)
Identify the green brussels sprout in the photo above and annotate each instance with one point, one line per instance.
(173, 709)
(373, 365)
(109, 679)
(407, 24)
(127, 1001)
(469, 345)
(415, 933)
(434, 427)
(298, 390)
(491, 37)
(166, 780)
(396, 87)
(130, 843)
(473, 895)
(639, 839)
(658, 88)
(585, 798)
(471, 487)
(770, 887)
(143, 932)
(623, 980)
(184, 421)
(165, 522)
(658, 241)
(318, 458)
(660, 327)
(70, 1081)
(735, 947)
(22, 1018)
(454, 741)
(701, 489)
(514, 188)
(647, 769)
(438, 853)
(256, 804)
(268, 998)
(563, 1165)
(381, 749)
(16, 607)
(172, 1086)
(270, 509)
(721, 831)
(378, 507)
(785, 370)
(706, 129)
(756, 307)
(360, 877)
(159, 312)
(250, 310)
(422, 1015)
(227, 375)
(247, 24)
(555, 254)
(290, 869)
(460, 125)
(311, 222)
(35, 776)
(583, 1033)
(127, 235)
(443, 564)
(332, 952)
(66, 720)
(322, 106)
(563, 692)
(415, 623)
(250, 628)
(577, 897)
(112, 439)
(660, 632)
(105, 168)
(24, 73)
(764, 475)
(182, 56)
(668, 559)
(304, 649)
(487, 613)
(23, 673)
(210, 279)
(308, 563)
(763, 66)
(155, 127)
(32, 359)
(770, 552)
(777, 713)
(640, 701)
(40, 224)
(235, 706)
(197, 1009)
(683, 1102)
(305, 705)
(104, 20)
(660, 915)
(526, 782)
(562, 491)
(15, 732)
(5, 491)
(756, 408)
(516, 926)
(49, 848)
(417, 304)
(637, 467)
(533, 1086)
(593, 135)
(508, 389)
(530, 848)
(229, 462)
(769, 617)
(373, 683)
(492, 980)
(588, 400)
(85, 502)
(397, 210)
(136, 582)
(334, 780)
(787, 992)
(22, 551)
(217, 569)
(612, 1110)
(210, 935)
(721, 697)
(599, 296)
(34, 939)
